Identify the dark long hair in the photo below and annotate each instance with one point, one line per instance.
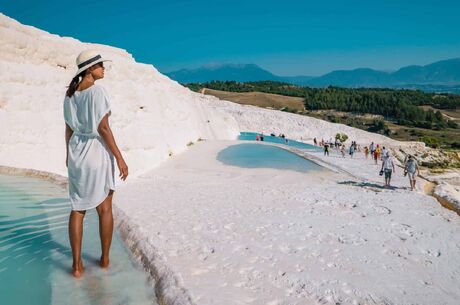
(74, 84)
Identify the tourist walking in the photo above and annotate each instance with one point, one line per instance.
(388, 167)
(326, 149)
(91, 149)
(366, 151)
(410, 169)
(377, 153)
(372, 149)
(337, 143)
(351, 151)
(384, 153)
(355, 146)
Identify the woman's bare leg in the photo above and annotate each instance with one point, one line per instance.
(76, 237)
(105, 228)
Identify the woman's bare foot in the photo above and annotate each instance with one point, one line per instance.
(78, 269)
(104, 262)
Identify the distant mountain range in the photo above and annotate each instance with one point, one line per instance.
(240, 73)
(443, 76)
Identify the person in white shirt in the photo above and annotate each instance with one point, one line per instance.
(384, 152)
(388, 167)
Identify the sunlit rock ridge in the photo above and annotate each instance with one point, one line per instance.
(153, 117)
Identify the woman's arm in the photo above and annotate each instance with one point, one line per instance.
(68, 135)
(106, 134)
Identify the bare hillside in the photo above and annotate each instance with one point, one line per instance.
(260, 99)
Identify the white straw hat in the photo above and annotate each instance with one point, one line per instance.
(88, 59)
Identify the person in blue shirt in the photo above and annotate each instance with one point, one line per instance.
(410, 169)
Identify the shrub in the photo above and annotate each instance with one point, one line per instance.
(405, 122)
(287, 109)
(414, 132)
(452, 124)
(341, 137)
(333, 119)
(379, 126)
(430, 141)
(423, 124)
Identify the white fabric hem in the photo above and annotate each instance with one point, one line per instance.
(94, 205)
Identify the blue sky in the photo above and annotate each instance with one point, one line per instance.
(286, 37)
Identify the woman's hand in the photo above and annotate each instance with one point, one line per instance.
(123, 168)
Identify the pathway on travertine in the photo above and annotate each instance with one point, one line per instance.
(266, 236)
(365, 169)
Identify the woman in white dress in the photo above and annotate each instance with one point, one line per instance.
(91, 150)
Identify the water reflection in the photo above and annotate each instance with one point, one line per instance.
(35, 255)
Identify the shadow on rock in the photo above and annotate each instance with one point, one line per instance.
(368, 185)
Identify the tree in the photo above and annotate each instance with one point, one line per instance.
(341, 137)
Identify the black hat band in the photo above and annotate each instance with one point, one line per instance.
(89, 61)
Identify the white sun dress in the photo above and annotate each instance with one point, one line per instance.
(91, 165)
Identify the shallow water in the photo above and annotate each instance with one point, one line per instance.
(265, 156)
(35, 255)
(251, 136)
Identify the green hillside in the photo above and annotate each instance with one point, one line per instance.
(398, 113)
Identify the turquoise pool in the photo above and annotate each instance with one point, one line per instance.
(35, 255)
(265, 156)
(251, 136)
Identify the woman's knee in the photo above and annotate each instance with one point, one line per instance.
(105, 207)
(77, 214)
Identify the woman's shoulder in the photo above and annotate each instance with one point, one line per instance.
(98, 91)
(96, 88)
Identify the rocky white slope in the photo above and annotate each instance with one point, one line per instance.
(153, 117)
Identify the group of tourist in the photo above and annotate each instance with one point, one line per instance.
(338, 145)
(411, 168)
(377, 152)
(281, 135)
(260, 137)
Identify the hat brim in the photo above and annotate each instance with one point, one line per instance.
(90, 65)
